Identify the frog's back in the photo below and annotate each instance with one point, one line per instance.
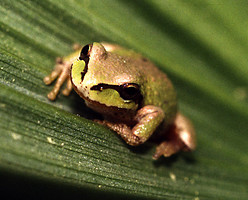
(158, 91)
(156, 88)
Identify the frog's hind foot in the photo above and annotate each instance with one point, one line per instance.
(167, 148)
(180, 137)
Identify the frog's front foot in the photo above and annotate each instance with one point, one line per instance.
(182, 137)
(124, 131)
(167, 148)
(62, 71)
(148, 119)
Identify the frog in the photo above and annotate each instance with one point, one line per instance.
(136, 99)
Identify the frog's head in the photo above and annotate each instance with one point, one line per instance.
(105, 78)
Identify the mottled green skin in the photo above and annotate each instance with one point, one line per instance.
(120, 66)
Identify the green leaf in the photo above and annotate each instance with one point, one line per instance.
(201, 45)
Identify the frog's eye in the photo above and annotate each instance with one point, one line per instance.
(127, 91)
(85, 52)
(130, 91)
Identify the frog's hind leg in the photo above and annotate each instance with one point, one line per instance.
(181, 137)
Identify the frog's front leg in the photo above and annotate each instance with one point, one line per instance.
(62, 71)
(148, 119)
(181, 137)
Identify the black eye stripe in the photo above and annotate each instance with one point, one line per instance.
(128, 91)
(85, 52)
(85, 55)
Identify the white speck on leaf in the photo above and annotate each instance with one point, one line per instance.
(49, 139)
(173, 177)
(16, 136)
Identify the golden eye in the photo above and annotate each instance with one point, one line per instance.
(130, 91)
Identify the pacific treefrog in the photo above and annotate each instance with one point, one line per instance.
(135, 98)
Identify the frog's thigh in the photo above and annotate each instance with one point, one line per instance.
(183, 138)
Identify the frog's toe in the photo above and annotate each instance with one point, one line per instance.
(59, 60)
(52, 95)
(167, 148)
(47, 80)
(76, 46)
(66, 92)
(51, 77)
(68, 88)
